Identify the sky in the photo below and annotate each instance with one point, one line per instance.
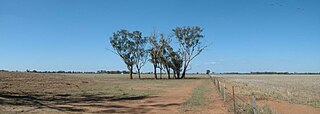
(245, 35)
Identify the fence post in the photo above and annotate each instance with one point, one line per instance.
(222, 89)
(254, 106)
(217, 82)
(219, 87)
(234, 101)
(224, 92)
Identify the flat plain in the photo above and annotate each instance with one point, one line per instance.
(116, 93)
(284, 93)
(104, 93)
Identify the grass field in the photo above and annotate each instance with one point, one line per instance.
(300, 89)
(198, 98)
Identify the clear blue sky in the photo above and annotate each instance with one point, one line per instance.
(247, 35)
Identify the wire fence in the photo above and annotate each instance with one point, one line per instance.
(231, 98)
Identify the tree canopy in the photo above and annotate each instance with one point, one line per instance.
(161, 52)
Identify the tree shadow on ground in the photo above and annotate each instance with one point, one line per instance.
(77, 103)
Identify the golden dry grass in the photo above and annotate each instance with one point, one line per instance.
(301, 89)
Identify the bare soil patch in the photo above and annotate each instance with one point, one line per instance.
(56, 93)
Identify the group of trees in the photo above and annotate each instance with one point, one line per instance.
(112, 72)
(165, 55)
(76, 72)
(60, 71)
(269, 73)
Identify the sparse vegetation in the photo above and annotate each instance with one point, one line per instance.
(86, 93)
(244, 108)
(301, 89)
(198, 97)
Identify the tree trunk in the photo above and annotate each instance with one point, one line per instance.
(178, 74)
(161, 73)
(131, 73)
(155, 71)
(139, 73)
(168, 72)
(174, 74)
(184, 73)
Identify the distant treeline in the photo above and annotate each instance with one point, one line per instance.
(127, 72)
(74, 72)
(272, 73)
(61, 71)
(112, 72)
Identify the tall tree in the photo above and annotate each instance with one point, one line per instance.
(155, 53)
(124, 47)
(189, 39)
(164, 55)
(139, 52)
(175, 62)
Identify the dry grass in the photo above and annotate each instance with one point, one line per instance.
(57, 93)
(244, 108)
(301, 89)
(118, 85)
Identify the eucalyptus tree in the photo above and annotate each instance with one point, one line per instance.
(175, 61)
(164, 54)
(124, 47)
(154, 52)
(168, 58)
(190, 45)
(139, 51)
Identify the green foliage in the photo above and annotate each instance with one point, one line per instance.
(175, 61)
(139, 52)
(155, 49)
(123, 46)
(130, 46)
(189, 39)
